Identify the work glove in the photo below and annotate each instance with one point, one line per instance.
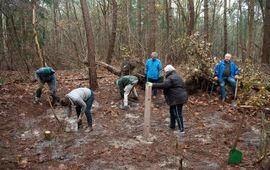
(215, 78)
(149, 84)
(237, 77)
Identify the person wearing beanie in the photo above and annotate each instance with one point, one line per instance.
(153, 70)
(126, 84)
(175, 95)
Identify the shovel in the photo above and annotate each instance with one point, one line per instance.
(235, 155)
(234, 102)
(214, 83)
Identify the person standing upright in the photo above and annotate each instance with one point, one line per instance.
(153, 70)
(176, 96)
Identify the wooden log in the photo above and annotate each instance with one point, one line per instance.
(147, 110)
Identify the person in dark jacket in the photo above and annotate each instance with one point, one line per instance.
(46, 75)
(175, 95)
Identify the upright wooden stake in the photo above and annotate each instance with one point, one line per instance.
(147, 110)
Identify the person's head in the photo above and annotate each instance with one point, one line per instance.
(65, 101)
(154, 55)
(169, 68)
(227, 57)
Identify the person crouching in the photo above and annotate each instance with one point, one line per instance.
(126, 84)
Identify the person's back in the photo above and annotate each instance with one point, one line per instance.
(79, 93)
(45, 73)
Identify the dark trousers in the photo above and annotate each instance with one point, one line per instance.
(87, 111)
(176, 114)
(154, 91)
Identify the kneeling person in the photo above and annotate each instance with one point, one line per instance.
(126, 84)
(82, 99)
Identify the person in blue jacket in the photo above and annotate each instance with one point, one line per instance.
(46, 75)
(153, 70)
(226, 72)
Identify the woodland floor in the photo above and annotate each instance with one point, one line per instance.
(117, 142)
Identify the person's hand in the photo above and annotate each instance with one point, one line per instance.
(215, 78)
(149, 84)
(237, 77)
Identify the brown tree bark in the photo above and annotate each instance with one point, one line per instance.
(225, 28)
(266, 40)
(38, 50)
(191, 17)
(250, 42)
(153, 26)
(1, 37)
(168, 17)
(18, 44)
(206, 21)
(139, 20)
(113, 33)
(93, 84)
(240, 31)
(78, 24)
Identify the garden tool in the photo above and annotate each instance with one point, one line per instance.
(234, 102)
(214, 83)
(235, 155)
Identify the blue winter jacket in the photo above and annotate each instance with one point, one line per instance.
(153, 69)
(219, 70)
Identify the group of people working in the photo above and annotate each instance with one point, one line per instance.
(173, 87)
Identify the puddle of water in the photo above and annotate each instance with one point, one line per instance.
(131, 116)
(215, 121)
(109, 165)
(125, 144)
(251, 138)
(206, 165)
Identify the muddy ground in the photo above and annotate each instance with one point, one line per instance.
(117, 141)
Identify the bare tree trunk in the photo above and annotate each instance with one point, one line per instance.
(78, 25)
(5, 40)
(18, 44)
(113, 33)
(1, 37)
(56, 34)
(168, 17)
(211, 34)
(266, 40)
(191, 17)
(139, 20)
(225, 28)
(250, 42)
(153, 26)
(104, 7)
(206, 21)
(38, 50)
(91, 46)
(240, 33)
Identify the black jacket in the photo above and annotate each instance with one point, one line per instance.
(174, 89)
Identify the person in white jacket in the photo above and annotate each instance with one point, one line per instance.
(82, 99)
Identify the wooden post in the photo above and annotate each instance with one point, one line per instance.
(147, 110)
